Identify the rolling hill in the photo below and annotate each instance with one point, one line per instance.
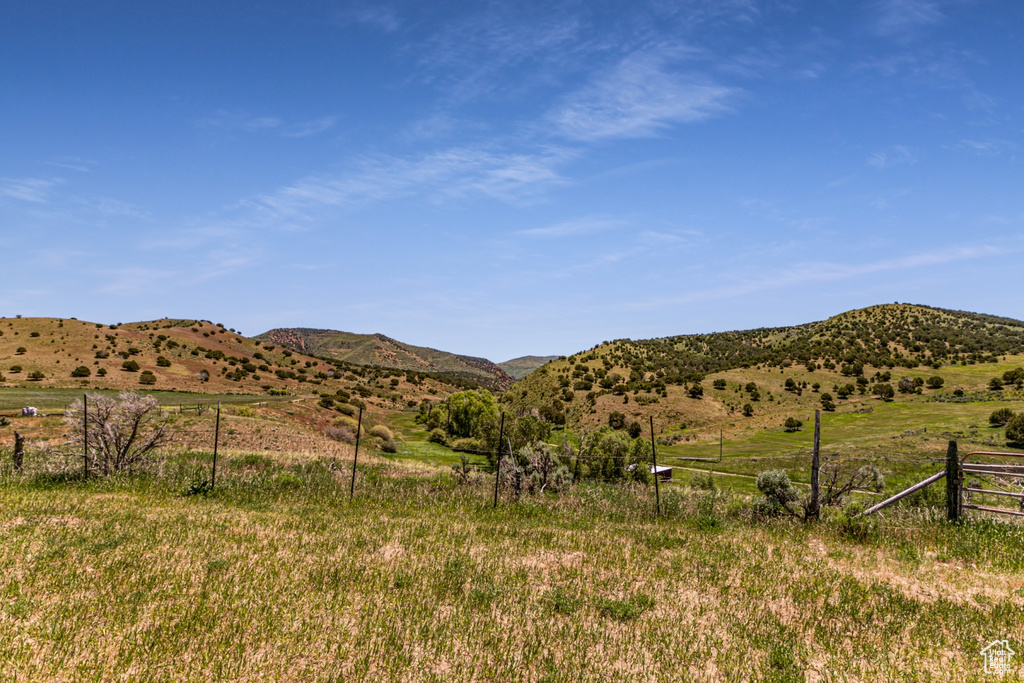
(189, 356)
(790, 369)
(379, 350)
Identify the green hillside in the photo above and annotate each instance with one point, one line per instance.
(709, 379)
(382, 351)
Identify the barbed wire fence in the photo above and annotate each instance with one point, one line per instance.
(203, 441)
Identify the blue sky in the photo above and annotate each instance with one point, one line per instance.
(500, 179)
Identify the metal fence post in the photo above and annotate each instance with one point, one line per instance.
(355, 457)
(497, 465)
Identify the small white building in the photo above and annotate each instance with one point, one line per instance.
(662, 472)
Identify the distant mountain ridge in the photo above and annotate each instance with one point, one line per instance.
(383, 351)
(519, 368)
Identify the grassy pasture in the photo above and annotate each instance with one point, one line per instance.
(906, 439)
(276, 576)
(14, 398)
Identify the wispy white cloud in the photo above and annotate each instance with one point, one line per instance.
(307, 128)
(248, 123)
(216, 263)
(639, 97)
(114, 207)
(72, 164)
(582, 226)
(501, 50)
(811, 272)
(988, 147)
(35, 190)
(449, 173)
(900, 18)
(897, 154)
(379, 17)
(239, 120)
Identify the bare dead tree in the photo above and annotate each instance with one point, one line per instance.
(781, 497)
(836, 486)
(122, 432)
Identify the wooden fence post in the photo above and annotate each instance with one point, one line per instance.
(654, 459)
(355, 457)
(952, 483)
(497, 465)
(813, 507)
(19, 451)
(216, 439)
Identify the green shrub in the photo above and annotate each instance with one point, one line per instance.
(438, 435)
(199, 485)
(130, 366)
(345, 421)
(163, 362)
(36, 375)
(793, 424)
(1015, 429)
(381, 432)
(81, 371)
(702, 481)
(147, 377)
(1000, 417)
(388, 447)
(779, 493)
(468, 444)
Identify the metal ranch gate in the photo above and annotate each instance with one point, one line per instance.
(974, 485)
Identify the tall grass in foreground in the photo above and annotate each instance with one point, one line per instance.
(276, 576)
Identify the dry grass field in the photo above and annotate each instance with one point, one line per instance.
(276, 575)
